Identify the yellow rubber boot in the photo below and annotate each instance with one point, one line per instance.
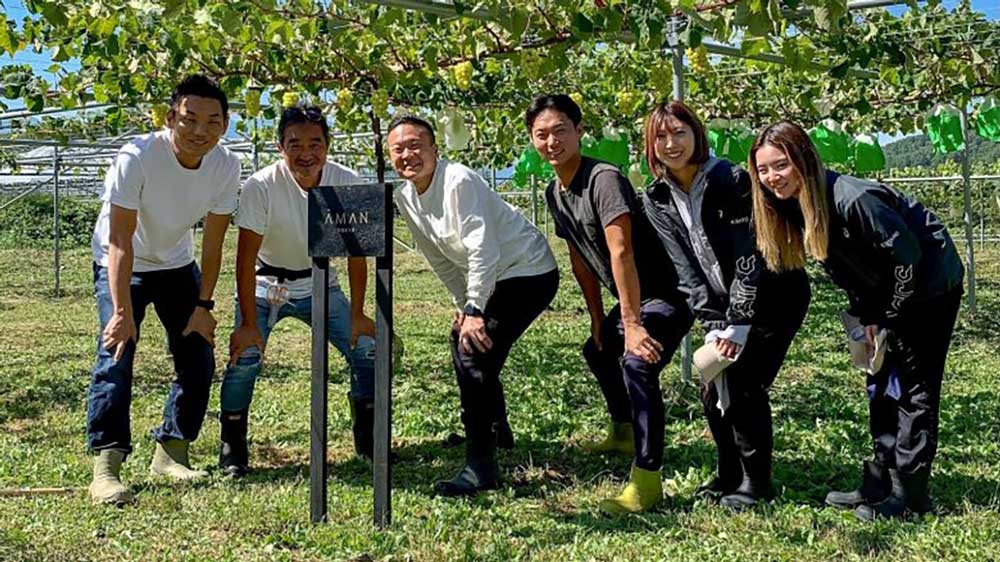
(644, 490)
(618, 440)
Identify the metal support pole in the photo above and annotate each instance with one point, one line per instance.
(318, 394)
(970, 262)
(677, 53)
(255, 154)
(534, 201)
(383, 356)
(55, 212)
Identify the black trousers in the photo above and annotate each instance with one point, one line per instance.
(905, 396)
(744, 436)
(631, 386)
(514, 305)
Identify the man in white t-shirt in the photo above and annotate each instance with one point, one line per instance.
(498, 268)
(158, 188)
(273, 281)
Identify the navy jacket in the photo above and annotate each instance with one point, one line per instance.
(887, 251)
(755, 295)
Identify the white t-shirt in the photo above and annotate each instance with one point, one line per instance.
(273, 205)
(146, 176)
(471, 237)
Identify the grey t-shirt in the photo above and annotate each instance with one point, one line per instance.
(599, 194)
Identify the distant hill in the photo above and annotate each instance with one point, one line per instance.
(916, 151)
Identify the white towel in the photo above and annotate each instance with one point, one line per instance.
(871, 362)
(711, 364)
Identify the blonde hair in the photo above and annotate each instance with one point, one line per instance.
(783, 243)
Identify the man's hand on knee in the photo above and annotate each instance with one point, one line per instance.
(243, 338)
(118, 331)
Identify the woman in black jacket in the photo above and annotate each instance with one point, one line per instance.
(701, 208)
(901, 273)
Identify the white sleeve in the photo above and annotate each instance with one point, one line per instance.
(124, 181)
(253, 205)
(480, 240)
(449, 274)
(225, 202)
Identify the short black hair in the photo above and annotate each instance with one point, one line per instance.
(295, 115)
(201, 86)
(411, 120)
(558, 102)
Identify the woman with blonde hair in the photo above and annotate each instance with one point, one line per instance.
(700, 207)
(903, 278)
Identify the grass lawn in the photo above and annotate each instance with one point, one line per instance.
(546, 510)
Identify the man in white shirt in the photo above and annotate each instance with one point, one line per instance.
(157, 189)
(498, 268)
(273, 281)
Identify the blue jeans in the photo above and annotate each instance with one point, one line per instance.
(173, 293)
(238, 381)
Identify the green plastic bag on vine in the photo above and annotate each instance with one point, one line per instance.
(944, 129)
(831, 142)
(868, 155)
(988, 119)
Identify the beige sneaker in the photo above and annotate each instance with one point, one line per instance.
(106, 487)
(171, 459)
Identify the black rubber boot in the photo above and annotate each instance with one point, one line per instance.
(756, 486)
(363, 417)
(501, 427)
(908, 498)
(481, 471)
(876, 485)
(504, 434)
(728, 478)
(234, 455)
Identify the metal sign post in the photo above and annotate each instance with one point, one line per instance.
(352, 221)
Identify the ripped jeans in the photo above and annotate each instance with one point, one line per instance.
(238, 381)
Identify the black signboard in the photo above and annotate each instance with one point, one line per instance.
(347, 220)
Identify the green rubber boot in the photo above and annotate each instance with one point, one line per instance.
(170, 459)
(619, 440)
(106, 487)
(644, 490)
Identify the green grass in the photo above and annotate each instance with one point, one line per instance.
(546, 510)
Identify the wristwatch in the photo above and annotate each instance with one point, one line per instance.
(207, 304)
(472, 310)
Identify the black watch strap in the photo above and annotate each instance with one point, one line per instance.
(472, 310)
(207, 304)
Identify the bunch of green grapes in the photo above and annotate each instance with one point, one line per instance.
(289, 99)
(159, 115)
(462, 72)
(661, 78)
(380, 103)
(699, 60)
(345, 100)
(251, 102)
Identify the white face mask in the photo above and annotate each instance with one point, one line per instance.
(277, 296)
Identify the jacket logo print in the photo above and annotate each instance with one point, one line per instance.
(892, 240)
(740, 220)
(744, 295)
(847, 233)
(902, 290)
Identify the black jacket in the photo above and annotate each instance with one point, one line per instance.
(887, 251)
(754, 295)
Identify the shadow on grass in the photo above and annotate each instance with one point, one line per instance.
(21, 400)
